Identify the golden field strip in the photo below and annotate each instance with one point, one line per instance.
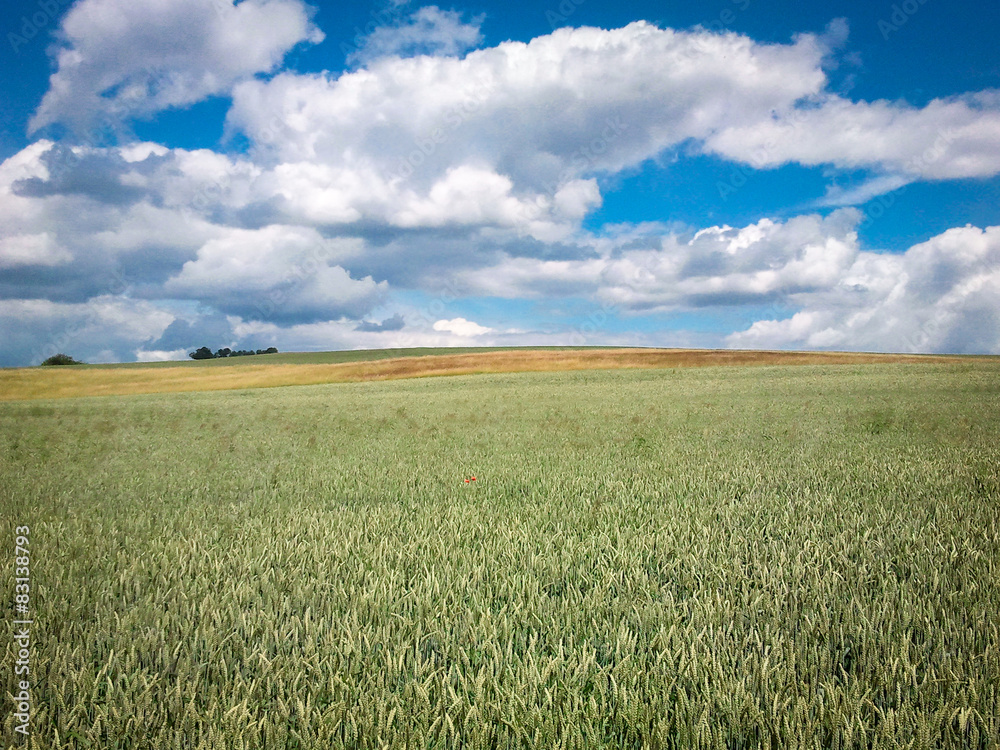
(70, 382)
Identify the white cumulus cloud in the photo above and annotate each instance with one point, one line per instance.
(461, 327)
(277, 272)
(429, 30)
(942, 295)
(31, 250)
(946, 139)
(129, 58)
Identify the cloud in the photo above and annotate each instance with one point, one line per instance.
(159, 355)
(871, 187)
(178, 241)
(69, 238)
(395, 323)
(344, 335)
(19, 215)
(560, 108)
(214, 331)
(757, 264)
(120, 59)
(427, 31)
(512, 136)
(31, 250)
(942, 295)
(91, 173)
(462, 327)
(582, 102)
(508, 137)
(66, 206)
(277, 273)
(948, 138)
(105, 328)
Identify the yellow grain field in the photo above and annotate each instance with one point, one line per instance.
(71, 382)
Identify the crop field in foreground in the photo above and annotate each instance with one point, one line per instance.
(739, 557)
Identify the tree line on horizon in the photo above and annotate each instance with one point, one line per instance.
(205, 353)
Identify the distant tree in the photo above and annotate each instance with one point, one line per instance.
(203, 353)
(206, 353)
(61, 359)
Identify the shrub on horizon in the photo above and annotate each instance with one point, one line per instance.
(60, 359)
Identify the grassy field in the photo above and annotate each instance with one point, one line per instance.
(311, 368)
(720, 557)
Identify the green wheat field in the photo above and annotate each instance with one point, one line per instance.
(718, 557)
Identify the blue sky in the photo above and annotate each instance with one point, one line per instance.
(737, 173)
